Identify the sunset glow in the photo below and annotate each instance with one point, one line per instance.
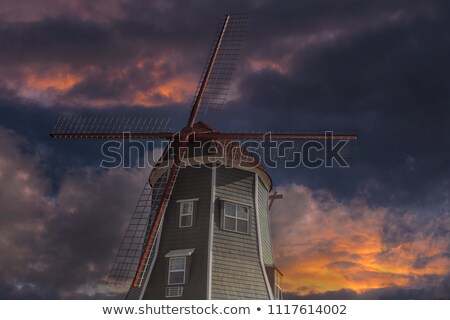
(58, 79)
(331, 246)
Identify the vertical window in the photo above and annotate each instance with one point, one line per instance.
(177, 270)
(235, 217)
(186, 214)
(278, 291)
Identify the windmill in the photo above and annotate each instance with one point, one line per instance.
(198, 232)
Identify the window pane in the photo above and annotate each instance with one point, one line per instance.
(278, 293)
(230, 209)
(277, 278)
(242, 212)
(187, 207)
(230, 224)
(177, 263)
(186, 221)
(242, 226)
(176, 277)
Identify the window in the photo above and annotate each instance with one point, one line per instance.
(235, 217)
(275, 277)
(187, 209)
(178, 266)
(278, 293)
(186, 214)
(177, 270)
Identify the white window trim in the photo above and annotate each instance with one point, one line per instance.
(186, 214)
(242, 203)
(278, 292)
(178, 270)
(236, 217)
(180, 253)
(187, 200)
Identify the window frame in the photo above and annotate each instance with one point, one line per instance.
(278, 292)
(177, 270)
(181, 214)
(236, 218)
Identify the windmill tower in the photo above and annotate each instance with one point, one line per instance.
(201, 227)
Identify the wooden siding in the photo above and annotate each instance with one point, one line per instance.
(263, 209)
(236, 267)
(191, 183)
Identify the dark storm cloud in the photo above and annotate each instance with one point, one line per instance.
(35, 122)
(386, 78)
(63, 246)
(59, 40)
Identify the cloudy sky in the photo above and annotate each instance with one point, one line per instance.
(379, 229)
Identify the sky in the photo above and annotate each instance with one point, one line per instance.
(377, 230)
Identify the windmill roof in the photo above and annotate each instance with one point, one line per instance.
(231, 151)
(203, 127)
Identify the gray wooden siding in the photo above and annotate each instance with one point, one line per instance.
(191, 183)
(263, 209)
(236, 267)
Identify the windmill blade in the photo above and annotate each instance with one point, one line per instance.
(139, 247)
(311, 135)
(215, 81)
(92, 127)
(150, 246)
(274, 150)
(142, 221)
(127, 258)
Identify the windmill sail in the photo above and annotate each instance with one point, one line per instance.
(221, 63)
(131, 249)
(112, 127)
(151, 242)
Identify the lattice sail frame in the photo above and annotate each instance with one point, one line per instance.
(130, 252)
(224, 66)
(70, 126)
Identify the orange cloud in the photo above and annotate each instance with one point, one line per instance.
(176, 90)
(323, 245)
(147, 82)
(264, 64)
(59, 79)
